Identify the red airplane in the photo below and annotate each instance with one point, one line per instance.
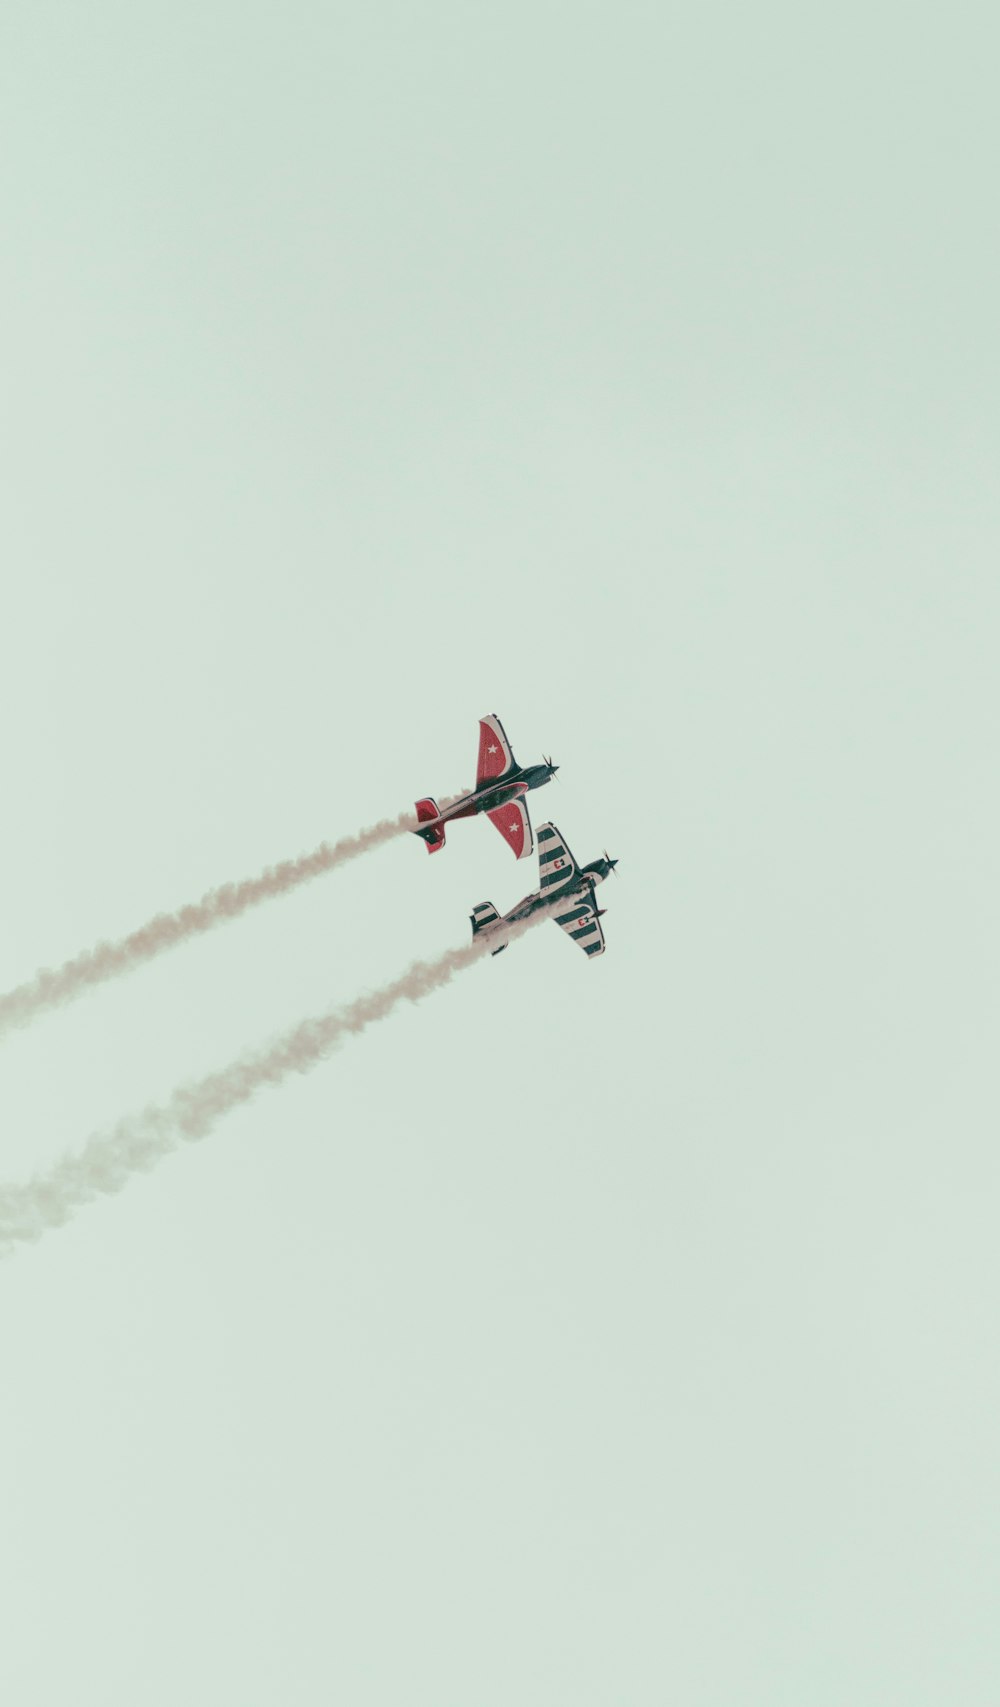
(501, 784)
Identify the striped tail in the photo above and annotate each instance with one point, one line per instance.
(484, 914)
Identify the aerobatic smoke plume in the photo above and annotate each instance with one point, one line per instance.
(49, 989)
(108, 1160)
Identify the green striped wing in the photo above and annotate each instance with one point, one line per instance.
(580, 921)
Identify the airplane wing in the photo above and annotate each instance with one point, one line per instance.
(514, 825)
(495, 756)
(581, 921)
(555, 862)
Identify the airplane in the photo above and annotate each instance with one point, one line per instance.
(501, 784)
(567, 892)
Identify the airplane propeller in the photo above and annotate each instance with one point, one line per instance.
(552, 768)
(611, 862)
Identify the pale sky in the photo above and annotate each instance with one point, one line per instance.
(596, 1332)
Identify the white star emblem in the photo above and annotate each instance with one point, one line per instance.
(491, 749)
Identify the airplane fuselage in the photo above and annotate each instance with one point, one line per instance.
(547, 901)
(492, 794)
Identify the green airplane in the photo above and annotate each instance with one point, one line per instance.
(566, 892)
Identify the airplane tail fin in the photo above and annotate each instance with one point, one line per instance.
(483, 915)
(428, 809)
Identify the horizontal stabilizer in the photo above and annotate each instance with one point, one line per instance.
(484, 914)
(426, 811)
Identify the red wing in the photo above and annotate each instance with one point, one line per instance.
(514, 825)
(495, 756)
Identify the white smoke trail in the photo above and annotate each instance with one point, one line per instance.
(108, 1160)
(49, 989)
